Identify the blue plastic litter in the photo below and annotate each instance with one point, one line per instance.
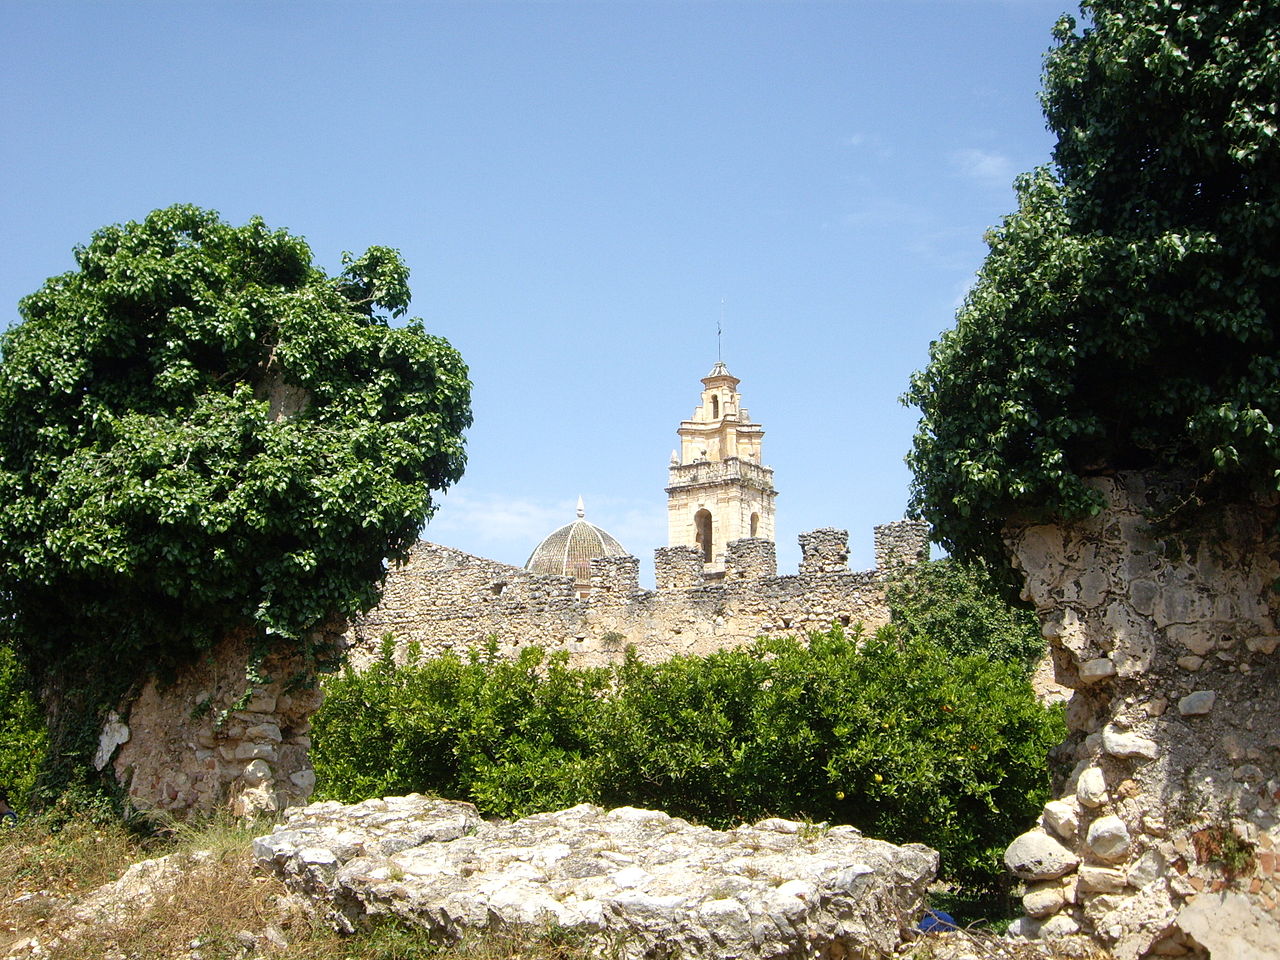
(936, 920)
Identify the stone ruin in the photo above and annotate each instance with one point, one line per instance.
(210, 737)
(443, 599)
(628, 883)
(1165, 837)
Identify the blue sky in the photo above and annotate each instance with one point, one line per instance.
(580, 189)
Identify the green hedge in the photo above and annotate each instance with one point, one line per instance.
(899, 738)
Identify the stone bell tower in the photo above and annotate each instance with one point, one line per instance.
(719, 491)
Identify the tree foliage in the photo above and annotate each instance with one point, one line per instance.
(902, 739)
(962, 608)
(1125, 316)
(201, 432)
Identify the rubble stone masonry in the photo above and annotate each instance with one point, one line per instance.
(1164, 840)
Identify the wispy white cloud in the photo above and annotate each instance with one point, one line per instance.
(990, 169)
(508, 528)
(477, 520)
(867, 143)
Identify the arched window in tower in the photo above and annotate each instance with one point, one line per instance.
(702, 522)
(715, 407)
(755, 524)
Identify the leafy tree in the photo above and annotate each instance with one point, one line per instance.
(1126, 314)
(201, 433)
(962, 608)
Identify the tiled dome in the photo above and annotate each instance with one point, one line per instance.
(568, 552)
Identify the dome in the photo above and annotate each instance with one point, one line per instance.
(568, 552)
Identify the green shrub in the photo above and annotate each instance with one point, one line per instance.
(963, 608)
(896, 736)
(23, 738)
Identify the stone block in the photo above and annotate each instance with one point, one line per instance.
(1037, 856)
(1043, 899)
(1108, 838)
(1091, 788)
(1197, 704)
(1063, 818)
(1099, 668)
(1101, 879)
(1121, 743)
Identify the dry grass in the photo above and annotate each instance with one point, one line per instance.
(212, 905)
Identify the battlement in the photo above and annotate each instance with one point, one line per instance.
(443, 599)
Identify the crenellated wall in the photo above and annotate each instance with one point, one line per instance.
(444, 599)
(1164, 840)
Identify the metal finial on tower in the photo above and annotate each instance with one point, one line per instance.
(719, 325)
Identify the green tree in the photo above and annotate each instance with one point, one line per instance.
(202, 433)
(962, 608)
(1125, 316)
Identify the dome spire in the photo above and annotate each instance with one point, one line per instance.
(582, 511)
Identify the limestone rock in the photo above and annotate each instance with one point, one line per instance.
(1119, 743)
(635, 879)
(114, 732)
(1063, 818)
(1037, 856)
(1230, 927)
(1057, 927)
(1091, 671)
(1108, 838)
(1101, 879)
(1091, 788)
(1197, 704)
(1043, 899)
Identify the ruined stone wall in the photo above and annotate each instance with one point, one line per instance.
(444, 599)
(1164, 839)
(210, 737)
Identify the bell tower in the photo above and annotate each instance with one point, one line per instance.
(719, 491)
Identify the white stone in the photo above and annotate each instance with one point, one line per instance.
(1042, 899)
(1025, 928)
(1037, 856)
(1190, 664)
(1231, 927)
(1265, 644)
(114, 733)
(1119, 743)
(263, 731)
(1060, 926)
(1091, 671)
(304, 780)
(1062, 817)
(1091, 788)
(1108, 838)
(1197, 704)
(1101, 879)
(1147, 868)
(256, 771)
(255, 751)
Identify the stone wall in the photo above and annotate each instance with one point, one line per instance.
(209, 737)
(443, 599)
(1164, 839)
